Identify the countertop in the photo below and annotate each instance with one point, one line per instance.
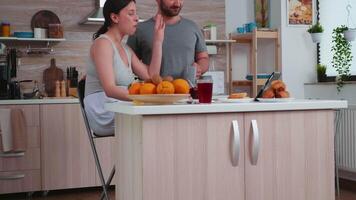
(131, 109)
(38, 101)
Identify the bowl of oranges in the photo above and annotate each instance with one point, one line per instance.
(159, 90)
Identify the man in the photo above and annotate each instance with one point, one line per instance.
(183, 45)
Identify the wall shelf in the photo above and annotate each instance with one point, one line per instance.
(32, 39)
(251, 39)
(236, 83)
(48, 49)
(219, 41)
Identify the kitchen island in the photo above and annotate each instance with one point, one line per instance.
(230, 151)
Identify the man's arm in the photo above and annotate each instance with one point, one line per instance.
(201, 63)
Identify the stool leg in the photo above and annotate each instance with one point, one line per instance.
(112, 173)
(337, 181)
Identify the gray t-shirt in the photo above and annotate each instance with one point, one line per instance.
(182, 41)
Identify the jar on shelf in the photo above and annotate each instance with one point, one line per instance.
(5, 29)
(55, 31)
(210, 32)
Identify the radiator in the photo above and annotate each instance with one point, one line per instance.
(345, 139)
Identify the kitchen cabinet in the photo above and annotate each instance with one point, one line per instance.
(295, 157)
(67, 159)
(20, 171)
(257, 155)
(252, 39)
(58, 155)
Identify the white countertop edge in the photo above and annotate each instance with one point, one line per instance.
(129, 108)
(38, 101)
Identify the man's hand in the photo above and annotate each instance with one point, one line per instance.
(199, 70)
(201, 63)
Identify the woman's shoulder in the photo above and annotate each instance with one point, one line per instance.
(103, 39)
(102, 42)
(101, 45)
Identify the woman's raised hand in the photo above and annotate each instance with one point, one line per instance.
(159, 28)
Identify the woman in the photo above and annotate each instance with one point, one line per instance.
(112, 63)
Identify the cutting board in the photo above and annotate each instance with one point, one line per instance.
(50, 76)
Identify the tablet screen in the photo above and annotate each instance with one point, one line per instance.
(272, 77)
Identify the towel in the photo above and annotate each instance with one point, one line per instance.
(19, 130)
(6, 132)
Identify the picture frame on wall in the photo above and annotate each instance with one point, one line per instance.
(262, 13)
(300, 12)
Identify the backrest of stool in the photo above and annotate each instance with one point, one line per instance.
(81, 93)
(81, 90)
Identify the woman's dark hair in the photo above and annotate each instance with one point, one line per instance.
(111, 6)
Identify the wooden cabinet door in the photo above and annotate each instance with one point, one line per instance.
(67, 160)
(20, 172)
(294, 156)
(225, 161)
(180, 157)
(174, 160)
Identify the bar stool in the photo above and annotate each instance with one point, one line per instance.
(92, 136)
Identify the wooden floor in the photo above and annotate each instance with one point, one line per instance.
(94, 193)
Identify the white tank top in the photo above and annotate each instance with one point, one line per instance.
(102, 121)
(123, 74)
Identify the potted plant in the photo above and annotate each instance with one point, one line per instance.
(350, 34)
(321, 72)
(316, 32)
(342, 56)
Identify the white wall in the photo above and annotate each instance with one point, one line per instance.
(299, 56)
(328, 11)
(298, 52)
(238, 12)
(328, 91)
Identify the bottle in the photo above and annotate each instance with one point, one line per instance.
(58, 89)
(5, 29)
(63, 89)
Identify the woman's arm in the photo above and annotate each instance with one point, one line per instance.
(142, 70)
(102, 53)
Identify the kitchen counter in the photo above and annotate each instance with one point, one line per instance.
(38, 101)
(129, 108)
(225, 150)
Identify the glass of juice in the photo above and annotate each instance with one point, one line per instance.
(205, 89)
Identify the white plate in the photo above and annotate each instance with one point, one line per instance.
(275, 99)
(241, 100)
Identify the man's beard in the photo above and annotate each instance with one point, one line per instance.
(169, 12)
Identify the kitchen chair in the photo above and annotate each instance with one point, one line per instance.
(92, 136)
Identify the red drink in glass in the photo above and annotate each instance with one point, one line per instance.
(205, 91)
(194, 92)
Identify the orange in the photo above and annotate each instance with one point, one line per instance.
(165, 87)
(135, 88)
(148, 88)
(181, 86)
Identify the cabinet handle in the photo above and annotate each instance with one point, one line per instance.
(12, 177)
(256, 142)
(10, 155)
(235, 143)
